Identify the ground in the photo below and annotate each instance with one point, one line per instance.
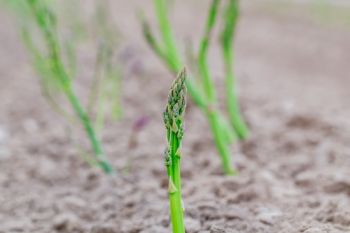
(292, 73)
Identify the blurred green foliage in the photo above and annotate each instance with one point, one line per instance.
(202, 88)
(53, 35)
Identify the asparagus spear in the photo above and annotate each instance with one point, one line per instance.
(202, 90)
(173, 120)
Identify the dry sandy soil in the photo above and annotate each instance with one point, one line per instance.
(293, 77)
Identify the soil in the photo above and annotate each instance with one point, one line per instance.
(294, 176)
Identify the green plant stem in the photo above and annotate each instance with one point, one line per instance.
(176, 208)
(221, 143)
(222, 134)
(153, 43)
(213, 116)
(236, 119)
(173, 120)
(85, 120)
(231, 17)
(170, 51)
(166, 32)
(47, 26)
(55, 106)
(208, 83)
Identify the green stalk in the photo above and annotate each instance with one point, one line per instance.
(205, 99)
(208, 84)
(221, 143)
(231, 16)
(85, 120)
(40, 65)
(154, 44)
(166, 32)
(46, 23)
(170, 51)
(173, 120)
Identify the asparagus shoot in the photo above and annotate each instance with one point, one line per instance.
(173, 120)
(202, 89)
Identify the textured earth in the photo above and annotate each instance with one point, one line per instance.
(293, 79)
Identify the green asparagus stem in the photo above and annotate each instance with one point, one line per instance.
(173, 120)
(47, 25)
(203, 67)
(39, 63)
(208, 84)
(205, 97)
(227, 35)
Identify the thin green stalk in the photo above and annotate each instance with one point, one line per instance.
(221, 143)
(173, 59)
(46, 23)
(231, 17)
(166, 32)
(85, 120)
(55, 106)
(173, 120)
(152, 41)
(208, 83)
(204, 99)
(41, 66)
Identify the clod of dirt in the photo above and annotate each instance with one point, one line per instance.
(234, 213)
(65, 222)
(338, 184)
(192, 225)
(338, 187)
(245, 195)
(334, 213)
(305, 122)
(306, 179)
(269, 216)
(221, 229)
